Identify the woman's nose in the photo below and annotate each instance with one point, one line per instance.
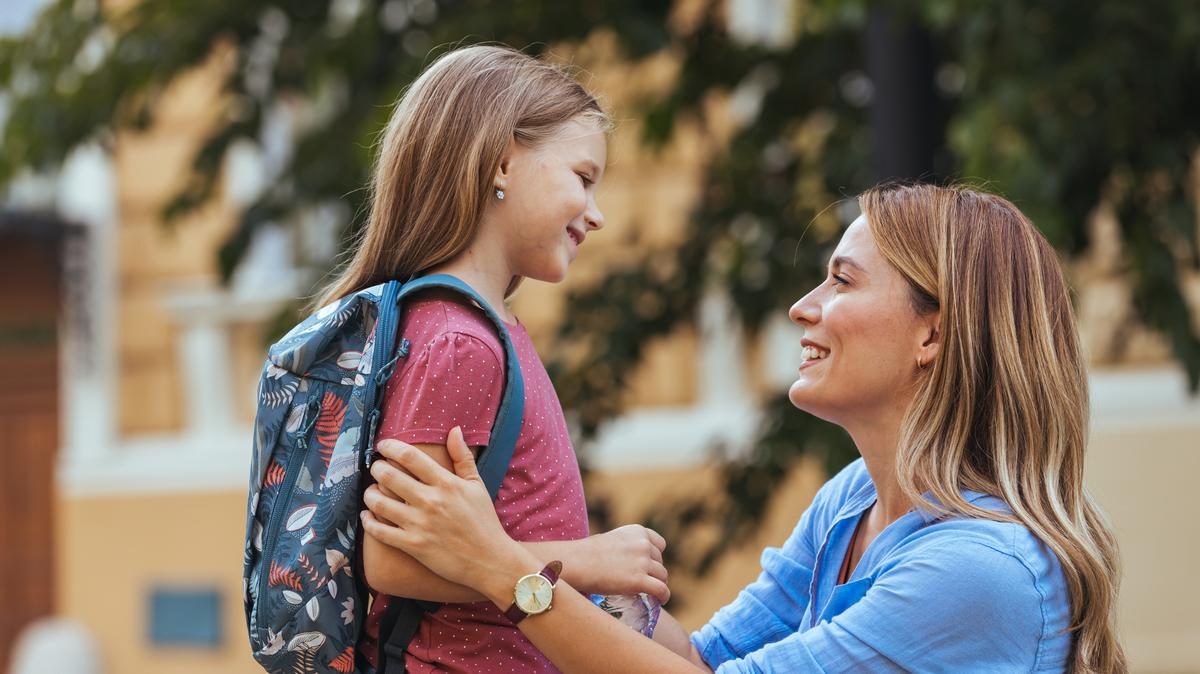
(805, 311)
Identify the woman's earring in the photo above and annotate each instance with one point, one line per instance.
(500, 194)
(920, 365)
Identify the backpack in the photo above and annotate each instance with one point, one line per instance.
(319, 402)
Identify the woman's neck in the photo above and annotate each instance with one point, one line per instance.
(878, 441)
(489, 275)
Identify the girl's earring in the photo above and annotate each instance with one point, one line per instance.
(500, 194)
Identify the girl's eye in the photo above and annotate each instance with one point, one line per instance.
(583, 178)
(838, 280)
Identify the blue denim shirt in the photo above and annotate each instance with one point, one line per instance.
(950, 595)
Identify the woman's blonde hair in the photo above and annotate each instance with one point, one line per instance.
(1003, 409)
(440, 151)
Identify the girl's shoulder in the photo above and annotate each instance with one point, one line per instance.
(444, 319)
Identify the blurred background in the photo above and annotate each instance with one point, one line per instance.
(178, 176)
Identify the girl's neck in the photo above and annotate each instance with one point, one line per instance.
(489, 275)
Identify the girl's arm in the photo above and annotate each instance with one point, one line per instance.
(626, 560)
(450, 525)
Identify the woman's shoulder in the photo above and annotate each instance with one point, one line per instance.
(999, 558)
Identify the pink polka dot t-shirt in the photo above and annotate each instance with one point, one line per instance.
(454, 376)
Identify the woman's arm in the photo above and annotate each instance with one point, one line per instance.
(449, 524)
(626, 560)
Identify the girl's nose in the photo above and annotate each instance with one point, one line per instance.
(592, 216)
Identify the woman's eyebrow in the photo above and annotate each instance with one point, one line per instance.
(843, 261)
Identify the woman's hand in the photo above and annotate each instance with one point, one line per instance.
(446, 521)
(626, 560)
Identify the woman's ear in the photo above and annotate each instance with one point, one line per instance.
(931, 338)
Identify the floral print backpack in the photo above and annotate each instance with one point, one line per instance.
(318, 409)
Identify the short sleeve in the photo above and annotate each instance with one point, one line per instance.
(455, 380)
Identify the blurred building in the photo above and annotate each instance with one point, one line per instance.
(130, 371)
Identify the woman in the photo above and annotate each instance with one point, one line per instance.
(943, 341)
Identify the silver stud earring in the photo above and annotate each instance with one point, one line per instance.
(500, 194)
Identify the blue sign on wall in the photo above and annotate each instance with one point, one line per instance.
(185, 617)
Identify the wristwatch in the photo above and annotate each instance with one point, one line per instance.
(534, 593)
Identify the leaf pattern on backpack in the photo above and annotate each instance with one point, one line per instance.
(344, 662)
(329, 425)
(275, 475)
(279, 396)
(285, 577)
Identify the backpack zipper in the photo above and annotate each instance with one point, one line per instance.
(271, 532)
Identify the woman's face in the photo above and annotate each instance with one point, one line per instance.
(862, 336)
(550, 199)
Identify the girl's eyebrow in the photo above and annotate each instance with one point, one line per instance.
(592, 167)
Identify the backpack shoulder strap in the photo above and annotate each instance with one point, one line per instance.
(493, 462)
(403, 616)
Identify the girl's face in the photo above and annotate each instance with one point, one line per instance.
(862, 335)
(549, 204)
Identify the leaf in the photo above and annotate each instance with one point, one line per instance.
(349, 360)
(313, 607)
(308, 536)
(306, 641)
(301, 517)
(304, 483)
(336, 560)
(333, 588)
(295, 418)
(292, 597)
(344, 540)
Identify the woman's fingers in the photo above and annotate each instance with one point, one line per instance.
(393, 536)
(389, 510)
(418, 463)
(396, 481)
(461, 456)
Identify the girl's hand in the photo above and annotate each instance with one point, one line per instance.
(626, 560)
(446, 521)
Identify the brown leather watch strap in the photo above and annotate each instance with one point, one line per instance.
(515, 613)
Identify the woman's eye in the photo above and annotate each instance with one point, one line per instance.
(838, 280)
(583, 178)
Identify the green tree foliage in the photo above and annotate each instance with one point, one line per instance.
(1055, 104)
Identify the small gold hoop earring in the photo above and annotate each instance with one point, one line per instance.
(920, 365)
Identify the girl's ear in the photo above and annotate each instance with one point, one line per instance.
(504, 169)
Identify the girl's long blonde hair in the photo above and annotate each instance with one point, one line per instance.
(1003, 409)
(440, 151)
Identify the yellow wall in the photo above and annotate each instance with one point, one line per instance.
(114, 550)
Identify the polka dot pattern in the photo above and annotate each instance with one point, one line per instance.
(455, 376)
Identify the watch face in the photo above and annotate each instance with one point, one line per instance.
(534, 594)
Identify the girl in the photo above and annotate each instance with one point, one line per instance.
(943, 341)
(487, 171)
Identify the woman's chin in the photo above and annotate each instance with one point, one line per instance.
(805, 398)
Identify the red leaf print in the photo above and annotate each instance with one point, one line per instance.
(285, 577)
(329, 424)
(344, 662)
(275, 474)
(311, 571)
